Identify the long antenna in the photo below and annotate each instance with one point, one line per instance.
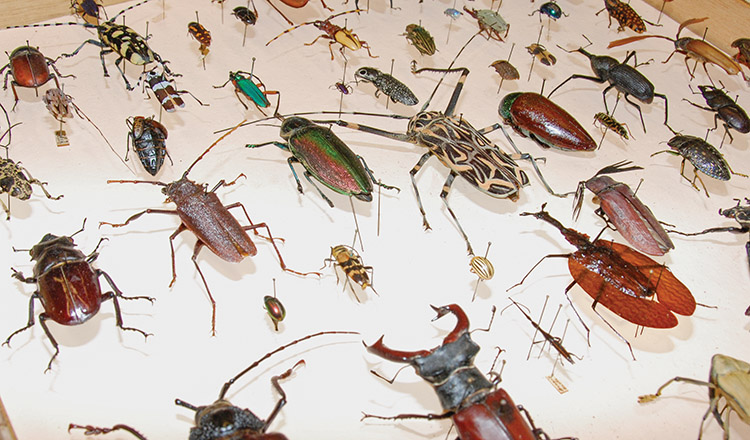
(211, 146)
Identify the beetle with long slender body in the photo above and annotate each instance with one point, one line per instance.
(68, 287)
(703, 156)
(397, 91)
(623, 211)
(326, 158)
(625, 16)
(700, 50)
(117, 38)
(421, 39)
(623, 78)
(630, 284)
(336, 34)
(30, 69)
(729, 379)
(725, 108)
(478, 408)
(607, 122)
(257, 93)
(490, 22)
(202, 213)
(350, 262)
(554, 341)
(223, 421)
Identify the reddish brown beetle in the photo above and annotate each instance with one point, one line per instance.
(624, 211)
(479, 410)
(29, 68)
(700, 50)
(68, 287)
(630, 284)
(202, 213)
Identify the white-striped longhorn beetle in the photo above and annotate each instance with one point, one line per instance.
(118, 38)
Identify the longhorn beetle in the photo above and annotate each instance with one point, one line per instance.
(459, 146)
(118, 38)
(202, 213)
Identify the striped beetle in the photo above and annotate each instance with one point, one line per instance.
(117, 38)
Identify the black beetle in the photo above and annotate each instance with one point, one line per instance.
(149, 141)
(68, 287)
(623, 77)
(726, 109)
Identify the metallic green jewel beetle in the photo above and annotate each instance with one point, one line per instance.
(256, 92)
(326, 158)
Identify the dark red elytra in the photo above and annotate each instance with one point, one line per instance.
(628, 283)
(537, 117)
(29, 68)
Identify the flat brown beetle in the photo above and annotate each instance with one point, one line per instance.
(202, 213)
(623, 211)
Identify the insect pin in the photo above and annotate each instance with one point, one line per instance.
(201, 212)
(729, 381)
(625, 281)
(202, 36)
(702, 51)
(538, 51)
(703, 156)
(350, 262)
(482, 268)
(336, 34)
(505, 69)
(453, 14)
(274, 308)
(248, 17)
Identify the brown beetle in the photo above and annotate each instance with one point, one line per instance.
(29, 68)
(202, 213)
(68, 287)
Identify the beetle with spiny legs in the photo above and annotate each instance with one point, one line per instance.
(117, 38)
(68, 287)
(201, 212)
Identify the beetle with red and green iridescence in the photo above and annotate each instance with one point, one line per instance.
(534, 116)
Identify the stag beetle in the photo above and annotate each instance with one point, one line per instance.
(726, 109)
(623, 77)
(479, 409)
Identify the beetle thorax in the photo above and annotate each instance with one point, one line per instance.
(181, 190)
(421, 124)
(601, 65)
(682, 43)
(221, 419)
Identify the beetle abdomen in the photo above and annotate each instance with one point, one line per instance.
(630, 81)
(70, 292)
(550, 124)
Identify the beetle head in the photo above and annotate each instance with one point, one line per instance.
(505, 104)
(602, 65)
(367, 74)
(222, 419)
(681, 44)
(48, 241)
(292, 124)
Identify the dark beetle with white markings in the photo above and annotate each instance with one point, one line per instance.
(385, 83)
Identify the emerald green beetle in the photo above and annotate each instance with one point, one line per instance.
(326, 158)
(254, 91)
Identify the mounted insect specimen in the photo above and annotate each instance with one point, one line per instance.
(630, 284)
(625, 16)
(623, 211)
(274, 308)
(164, 90)
(478, 408)
(622, 77)
(539, 52)
(739, 213)
(397, 91)
(703, 156)
(725, 108)
(490, 22)
(88, 10)
(701, 51)
(148, 138)
(350, 262)
(743, 56)
(202, 213)
(336, 34)
(421, 39)
(505, 69)
(729, 379)
(482, 268)
(607, 122)
(29, 69)
(551, 10)
(245, 84)
(68, 287)
(202, 36)
(223, 421)
(117, 38)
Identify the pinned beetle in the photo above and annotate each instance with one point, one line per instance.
(725, 108)
(479, 409)
(626, 213)
(148, 138)
(387, 84)
(29, 68)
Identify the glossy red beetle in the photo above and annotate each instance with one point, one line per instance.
(68, 287)
(479, 410)
(202, 213)
(532, 115)
(29, 68)
(626, 213)
(630, 284)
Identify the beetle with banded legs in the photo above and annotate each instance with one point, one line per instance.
(202, 213)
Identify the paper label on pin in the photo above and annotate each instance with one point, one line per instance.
(61, 138)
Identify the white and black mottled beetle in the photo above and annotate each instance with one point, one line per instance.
(393, 88)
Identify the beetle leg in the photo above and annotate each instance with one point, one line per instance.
(118, 294)
(237, 93)
(177, 232)
(413, 173)
(240, 205)
(43, 322)
(40, 183)
(444, 196)
(196, 250)
(291, 160)
(590, 78)
(135, 216)
(410, 416)
(273, 243)
(122, 73)
(282, 400)
(30, 322)
(95, 430)
(6, 208)
(367, 47)
(51, 63)
(222, 182)
(372, 176)
(639, 111)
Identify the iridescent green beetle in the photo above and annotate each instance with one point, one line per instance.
(421, 39)
(243, 84)
(326, 158)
